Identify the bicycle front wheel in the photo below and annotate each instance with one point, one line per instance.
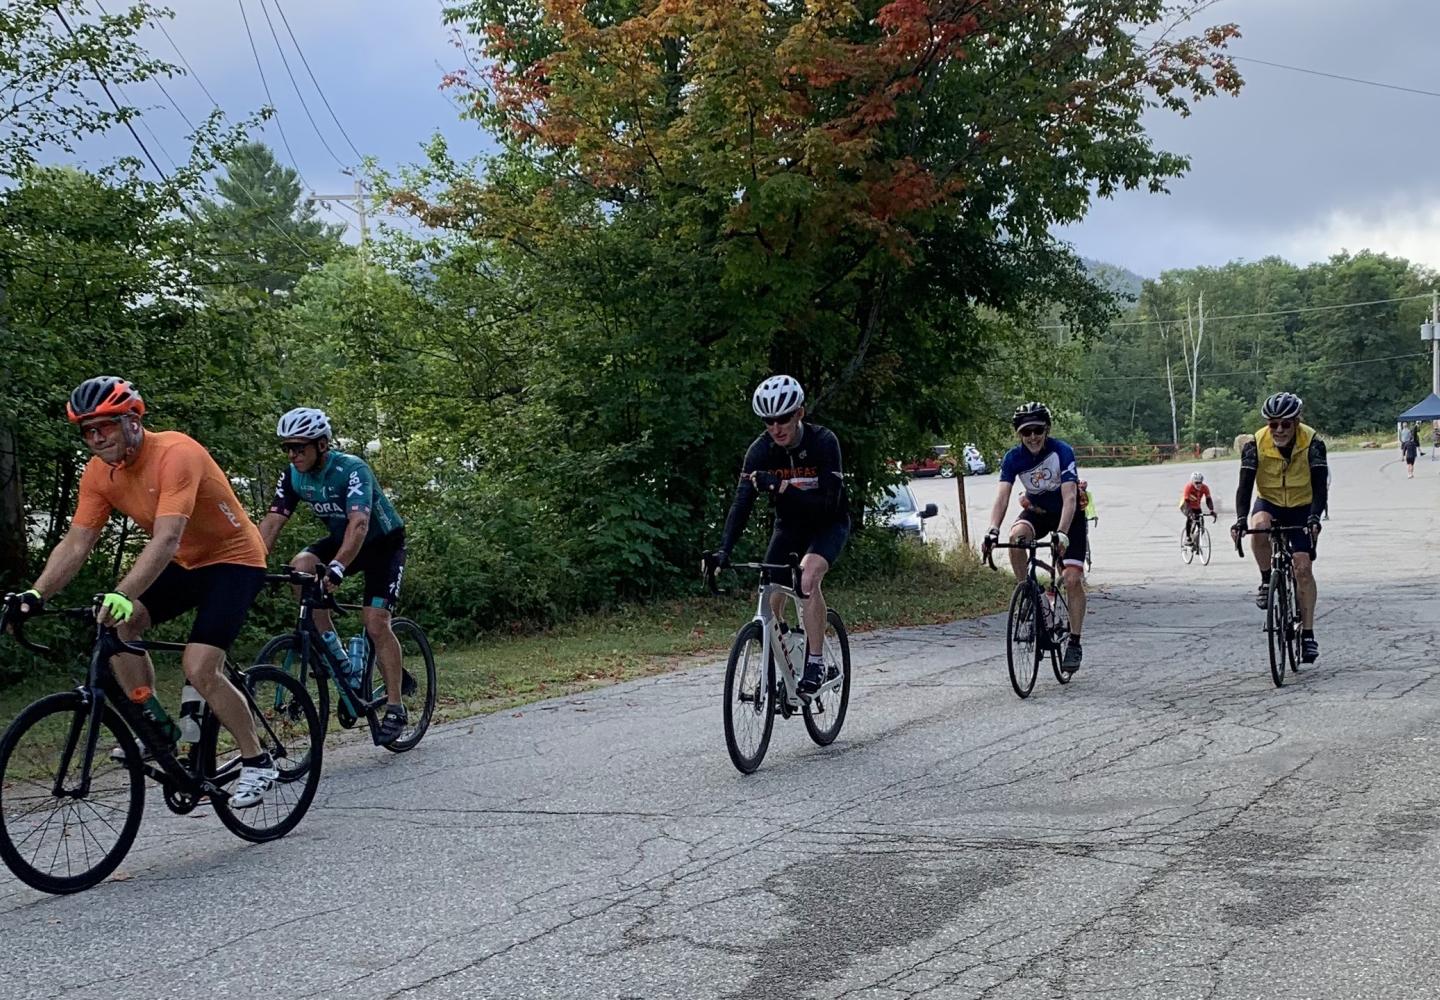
(289, 731)
(1277, 626)
(1204, 545)
(825, 713)
(1187, 547)
(1022, 639)
(1059, 633)
(417, 686)
(749, 700)
(51, 837)
(283, 651)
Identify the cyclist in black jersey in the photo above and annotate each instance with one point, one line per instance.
(798, 465)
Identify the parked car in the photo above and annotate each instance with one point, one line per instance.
(898, 510)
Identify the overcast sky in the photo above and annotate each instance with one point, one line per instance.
(1298, 165)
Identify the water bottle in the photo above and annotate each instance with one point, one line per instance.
(338, 659)
(191, 708)
(792, 647)
(357, 658)
(144, 698)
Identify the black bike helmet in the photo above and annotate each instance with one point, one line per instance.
(1281, 406)
(104, 396)
(1030, 413)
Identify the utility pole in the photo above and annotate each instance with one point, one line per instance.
(1434, 341)
(358, 197)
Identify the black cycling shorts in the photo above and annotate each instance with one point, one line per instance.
(1289, 517)
(1045, 522)
(826, 542)
(223, 594)
(382, 560)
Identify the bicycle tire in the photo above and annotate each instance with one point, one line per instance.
(423, 698)
(762, 702)
(1204, 545)
(1275, 628)
(1295, 618)
(835, 712)
(1060, 631)
(283, 651)
(1023, 658)
(300, 722)
(1187, 551)
(131, 786)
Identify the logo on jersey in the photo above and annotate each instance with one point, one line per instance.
(355, 488)
(229, 514)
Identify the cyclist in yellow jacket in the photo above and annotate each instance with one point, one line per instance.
(1286, 465)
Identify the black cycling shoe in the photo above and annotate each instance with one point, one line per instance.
(1262, 596)
(814, 677)
(1071, 661)
(393, 724)
(1309, 650)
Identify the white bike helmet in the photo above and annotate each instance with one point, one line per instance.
(777, 396)
(1197, 478)
(304, 422)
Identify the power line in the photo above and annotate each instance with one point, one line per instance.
(184, 117)
(1337, 76)
(264, 9)
(268, 99)
(1259, 315)
(318, 89)
(160, 23)
(1251, 371)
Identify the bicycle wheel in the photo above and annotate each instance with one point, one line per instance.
(1187, 550)
(283, 651)
(1294, 646)
(1203, 544)
(63, 843)
(1059, 632)
(1022, 639)
(749, 700)
(825, 713)
(417, 688)
(289, 730)
(1276, 627)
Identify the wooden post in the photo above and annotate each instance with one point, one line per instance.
(962, 469)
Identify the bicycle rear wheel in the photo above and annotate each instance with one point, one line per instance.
(417, 688)
(1204, 544)
(1059, 633)
(1277, 612)
(65, 843)
(1295, 620)
(749, 700)
(1022, 638)
(290, 731)
(825, 713)
(1187, 549)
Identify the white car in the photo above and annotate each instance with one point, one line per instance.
(897, 510)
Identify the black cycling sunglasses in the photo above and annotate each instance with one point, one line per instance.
(1032, 430)
(1281, 425)
(295, 447)
(784, 418)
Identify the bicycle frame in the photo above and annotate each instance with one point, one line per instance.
(770, 640)
(102, 686)
(313, 648)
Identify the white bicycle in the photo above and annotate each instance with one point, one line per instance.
(764, 670)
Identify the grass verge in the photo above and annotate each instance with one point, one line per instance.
(919, 588)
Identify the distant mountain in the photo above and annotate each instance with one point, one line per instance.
(1126, 284)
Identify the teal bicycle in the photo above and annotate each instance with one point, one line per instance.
(302, 653)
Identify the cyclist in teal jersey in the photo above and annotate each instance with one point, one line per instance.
(365, 535)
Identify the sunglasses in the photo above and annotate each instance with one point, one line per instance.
(1281, 425)
(98, 428)
(295, 447)
(1032, 430)
(782, 419)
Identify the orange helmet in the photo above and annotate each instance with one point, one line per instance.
(104, 396)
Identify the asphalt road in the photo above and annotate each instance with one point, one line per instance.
(1169, 825)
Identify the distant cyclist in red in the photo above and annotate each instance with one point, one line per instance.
(1190, 498)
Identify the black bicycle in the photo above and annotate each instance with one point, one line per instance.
(70, 806)
(1283, 616)
(1039, 619)
(304, 655)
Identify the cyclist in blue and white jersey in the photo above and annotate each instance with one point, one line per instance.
(364, 535)
(1046, 469)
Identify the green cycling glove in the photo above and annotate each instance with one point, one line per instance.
(118, 605)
